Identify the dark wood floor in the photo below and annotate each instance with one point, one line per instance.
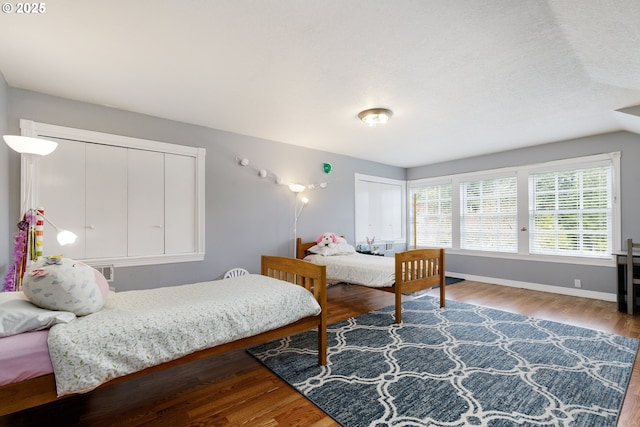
(233, 389)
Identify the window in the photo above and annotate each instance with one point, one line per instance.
(488, 215)
(432, 208)
(380, 209)
(564, 210)
(570, 212)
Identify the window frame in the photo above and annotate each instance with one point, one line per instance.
(522, 181)
(361, 178)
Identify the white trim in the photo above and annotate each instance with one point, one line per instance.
(600, 262)
(358, 177)
(145, 260)
(36, 129)
(604, 296)
(522, 172)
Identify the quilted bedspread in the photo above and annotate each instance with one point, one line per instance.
(139, 329)
(368, 270)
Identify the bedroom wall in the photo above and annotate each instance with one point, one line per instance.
(5, 229)
(525, 273)
(245, 216)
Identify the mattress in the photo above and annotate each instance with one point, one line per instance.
(360, 269)
(24, 356)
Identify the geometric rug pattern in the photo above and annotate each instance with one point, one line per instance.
(463, 365)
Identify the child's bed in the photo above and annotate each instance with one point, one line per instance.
(138, 332)
(408, 271)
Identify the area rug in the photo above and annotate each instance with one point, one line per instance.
(463, 365)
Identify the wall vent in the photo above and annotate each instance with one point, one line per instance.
(106, 271)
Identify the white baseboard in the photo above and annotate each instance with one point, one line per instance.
(539, 287)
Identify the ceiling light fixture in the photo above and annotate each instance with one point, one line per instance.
(375, 116)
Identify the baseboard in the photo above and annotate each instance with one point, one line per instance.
(612, 297)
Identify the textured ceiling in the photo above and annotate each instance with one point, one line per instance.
(463, 78)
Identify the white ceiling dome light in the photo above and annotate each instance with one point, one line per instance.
(375, 116)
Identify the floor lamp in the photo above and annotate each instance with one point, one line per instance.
(28, 239)
(297, 189)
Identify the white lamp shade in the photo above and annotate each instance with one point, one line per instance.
(297, 188)
(66, 237)
(29, 145)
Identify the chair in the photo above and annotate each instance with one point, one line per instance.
(235, 272)
(632, 279)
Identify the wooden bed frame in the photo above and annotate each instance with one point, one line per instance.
(415, 270)
(38, 391)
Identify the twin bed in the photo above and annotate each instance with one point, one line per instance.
(138, 332)
(406, 272)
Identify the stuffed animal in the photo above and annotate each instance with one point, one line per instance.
(62, 284)
(327, 239)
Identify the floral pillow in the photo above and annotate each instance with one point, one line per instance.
(57, 283)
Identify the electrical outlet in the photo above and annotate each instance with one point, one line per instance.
(577, 283)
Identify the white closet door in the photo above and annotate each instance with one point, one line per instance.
(146, 203)
(180, 204)
(106, 178)
(61, 192)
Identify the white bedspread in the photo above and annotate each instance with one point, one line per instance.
(368, 270)
(139, 329)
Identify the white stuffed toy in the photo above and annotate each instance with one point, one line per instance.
(62, 284)
(327, 239)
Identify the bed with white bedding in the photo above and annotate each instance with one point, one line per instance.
(358, 269)
(408, 271)
(139, 331)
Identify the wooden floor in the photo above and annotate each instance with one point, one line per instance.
(233, 389)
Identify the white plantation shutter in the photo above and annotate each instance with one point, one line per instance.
(433, 215)
(488, 214)
(570, 211)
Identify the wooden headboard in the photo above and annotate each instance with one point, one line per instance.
(301, 248)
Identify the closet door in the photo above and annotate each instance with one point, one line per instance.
(180, 204)
(106, 192)
(60, 190)
(146, 203)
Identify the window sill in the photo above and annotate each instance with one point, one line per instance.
(145, 260)
(601, 262)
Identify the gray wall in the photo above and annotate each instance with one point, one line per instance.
(602, 279)
(5, 233)
(245, 216)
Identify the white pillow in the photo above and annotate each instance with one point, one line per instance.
(18, 315)
(341, 248)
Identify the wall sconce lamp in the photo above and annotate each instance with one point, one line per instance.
(375, 116)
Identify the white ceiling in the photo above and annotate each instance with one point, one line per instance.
(463, 77)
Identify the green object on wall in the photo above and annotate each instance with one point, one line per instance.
(326, 167)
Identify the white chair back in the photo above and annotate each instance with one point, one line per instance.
(234, 272)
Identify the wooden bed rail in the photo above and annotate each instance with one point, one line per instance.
(313, 277)
(418, 269)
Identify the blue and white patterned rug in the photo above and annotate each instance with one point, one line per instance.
(464, 365)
